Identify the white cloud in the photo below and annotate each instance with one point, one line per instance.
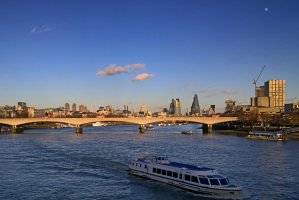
(114, 69)
(229, 91)
(143, 76)
(40, 29)
(211, 92)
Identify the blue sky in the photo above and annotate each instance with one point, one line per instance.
(98, 52)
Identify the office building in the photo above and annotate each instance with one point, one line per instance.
(74, 107)
(270, 97)
(175, 107)
(195, 109)
(66, 107)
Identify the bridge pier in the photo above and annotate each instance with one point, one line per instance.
(16, 129)
(141, 129)
(207, 128)
(79, 130)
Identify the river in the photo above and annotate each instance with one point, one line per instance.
(59, 164)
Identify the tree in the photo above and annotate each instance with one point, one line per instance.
(253, 117)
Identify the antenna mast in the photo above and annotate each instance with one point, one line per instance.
(255, 80)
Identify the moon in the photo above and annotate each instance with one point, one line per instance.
(266, 9)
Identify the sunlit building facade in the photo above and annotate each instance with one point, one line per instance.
(175, 107)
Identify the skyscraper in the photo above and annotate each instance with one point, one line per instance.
(276, 90)
(74, 107)
(175, 107)
(271, 97)
(195, 109)
(66, 107)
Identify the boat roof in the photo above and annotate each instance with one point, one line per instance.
(188, 166)
(176, 164)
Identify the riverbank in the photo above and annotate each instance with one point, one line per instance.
(244, 133)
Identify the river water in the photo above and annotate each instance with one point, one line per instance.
(59, 164)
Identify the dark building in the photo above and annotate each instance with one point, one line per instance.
(195, 109)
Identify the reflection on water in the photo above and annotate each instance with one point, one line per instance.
(59, 164)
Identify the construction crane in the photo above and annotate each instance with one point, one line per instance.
(255, 80)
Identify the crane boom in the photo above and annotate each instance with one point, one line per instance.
(255, 81)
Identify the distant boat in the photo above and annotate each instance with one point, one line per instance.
(149, 127)
(187, 132)
(263, 135)
(162, 124)
(99, 124)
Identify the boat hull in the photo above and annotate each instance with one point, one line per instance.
(203, 191)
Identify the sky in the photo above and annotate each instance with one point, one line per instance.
(133, 52)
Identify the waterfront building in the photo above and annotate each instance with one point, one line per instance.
(37, 113)
(230, 105)
(22, 110)
(7, 111)
(144, 111)
(291, 107)
(270, 97)
(74, 107)
(195, 109)
(276, 91)
(175, 107)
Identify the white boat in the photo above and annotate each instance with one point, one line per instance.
(263, 135)
(203, 180)
(187, 132)
(98, 124)
(149, 127)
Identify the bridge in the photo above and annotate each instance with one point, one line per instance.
(207, 122)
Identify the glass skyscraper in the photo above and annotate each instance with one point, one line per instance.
(195, 109)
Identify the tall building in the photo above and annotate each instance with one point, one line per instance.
(74, 107)
(195, 109)
(66, 107)
(82, 108)
(270, 97)
(175, 107)
(276, 90)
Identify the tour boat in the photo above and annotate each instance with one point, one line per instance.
(203, 180)
(262, 135)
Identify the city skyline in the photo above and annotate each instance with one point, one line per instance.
(131, 53)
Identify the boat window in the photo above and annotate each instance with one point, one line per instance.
(169, 173)
(159, 171)
(140, 165)
(163, 172)
(204, 181)
(145, 166)
(223, 181)
(214, 181)
(154, 170)
(180, 176)
(194, 179)
(136, 164)
(175, 175)
(187, 177)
